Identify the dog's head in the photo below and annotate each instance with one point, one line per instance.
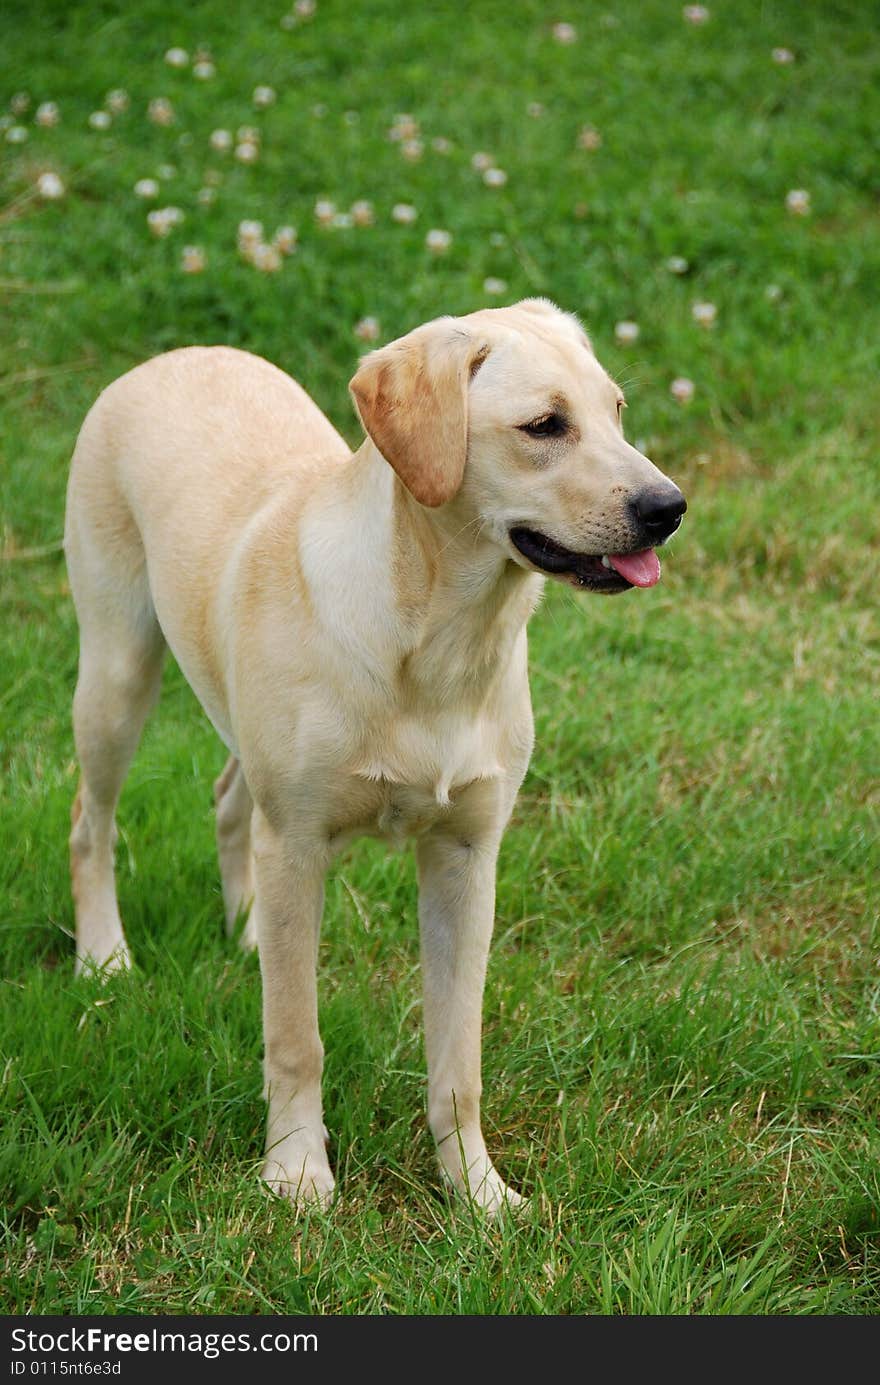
(506, 413)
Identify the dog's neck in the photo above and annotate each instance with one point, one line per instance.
(462, 602)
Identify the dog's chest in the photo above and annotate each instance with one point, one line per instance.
(383, 808)
(406, 811)
(416, 775)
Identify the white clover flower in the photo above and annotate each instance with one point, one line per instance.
(221, 141)
(47, 113)
(285, 239)
(626, 332)
(146, 188)
(250, 233)
(20, 103)
(6, 121)
(564, 33)
(367, 329)
(695, 14)
(403, 213)
(304, 9)
(162, 219)
(160, 111)
(773, 293)
(248, 134)
(412, 149)
(50, 187)
(193, 259)
(325, 210)
(481, 161)
(249, 249)
(247, 152)
(589, 138)
(494, 286)
(404, 126)
(177, 57)
(494, 177)
(704, 313)
(16, 134)
(166, 171)
(782, 56)
(798, 201)
(100, 120)
(682, 389)
(117, 100)
(535, 109)
(157, 223)
(204, 69)
(264, 96)
(677, 264)
(206, 196)
(441, 145)
(266, 258)
(362, 213)
(437, 241)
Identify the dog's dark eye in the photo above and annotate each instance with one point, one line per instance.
(547, 426)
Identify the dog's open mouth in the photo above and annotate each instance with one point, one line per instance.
(607, 572)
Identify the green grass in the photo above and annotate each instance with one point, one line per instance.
(682, 1036)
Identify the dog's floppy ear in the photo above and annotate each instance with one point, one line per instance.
(412, 398)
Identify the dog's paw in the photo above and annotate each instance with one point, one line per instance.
(104, 966)
(495, 1198)
(306, 1182)
(501, 1198)
(485, 1189)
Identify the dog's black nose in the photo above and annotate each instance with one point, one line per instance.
(659, 511)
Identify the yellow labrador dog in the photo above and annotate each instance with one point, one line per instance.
(354, 625)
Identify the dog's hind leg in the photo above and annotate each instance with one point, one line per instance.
(234, 809)
(120, 671)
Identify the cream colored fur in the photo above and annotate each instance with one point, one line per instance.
(356, 632)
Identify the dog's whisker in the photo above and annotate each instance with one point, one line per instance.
(631, 376)
(457, 535)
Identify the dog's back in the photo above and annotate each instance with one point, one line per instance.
(191, 442)
(174, 463)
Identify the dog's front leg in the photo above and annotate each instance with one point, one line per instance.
(289, 897)
(456, 916)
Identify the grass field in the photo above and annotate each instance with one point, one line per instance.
(682, 1020)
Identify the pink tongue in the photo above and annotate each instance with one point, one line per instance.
(642, 569)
